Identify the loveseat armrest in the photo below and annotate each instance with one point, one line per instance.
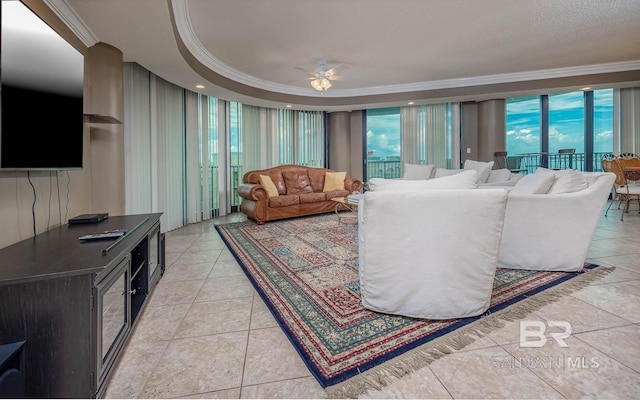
(252, 191)
(352, 185)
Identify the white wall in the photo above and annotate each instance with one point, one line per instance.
(16, 199)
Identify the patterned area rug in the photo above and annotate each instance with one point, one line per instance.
(306, 270)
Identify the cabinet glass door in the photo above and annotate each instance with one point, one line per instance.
(114, 315)
(113, 318)
(154, 251)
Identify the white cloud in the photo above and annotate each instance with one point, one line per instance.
(529, 139)
(604, 136)
(557, 136)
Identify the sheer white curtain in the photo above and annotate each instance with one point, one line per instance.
(253, 142)
(169, 114)
(437, 129)
(259, 137)
(412, 136)
(271, 137)
(193, 161)
(426, 134)
(630, 120)
(162, 149)
(177, 148)
(138, 141)
(287, 143)
(311, 139)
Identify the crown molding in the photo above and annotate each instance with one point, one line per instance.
(69, 17)
(193, 44)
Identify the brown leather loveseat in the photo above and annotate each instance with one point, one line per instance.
(300, 191)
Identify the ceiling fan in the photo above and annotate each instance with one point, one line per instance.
(321, 77)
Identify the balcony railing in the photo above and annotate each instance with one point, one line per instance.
(391, 169)
(530, 162)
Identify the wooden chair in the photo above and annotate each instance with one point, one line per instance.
(622, 190)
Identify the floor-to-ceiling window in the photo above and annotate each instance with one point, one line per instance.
(566, 130)
(602, 125)
(523, 125)
(383, 143)
(566, 122)
(235, 152)
(211, 143)
(415, 134)
(566, 144)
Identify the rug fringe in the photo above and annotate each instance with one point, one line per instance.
(382, 375)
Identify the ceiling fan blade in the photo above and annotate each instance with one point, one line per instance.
(339, 67)
(305, 71)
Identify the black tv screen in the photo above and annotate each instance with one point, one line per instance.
(42, 83)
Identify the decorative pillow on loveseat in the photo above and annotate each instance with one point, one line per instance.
(270, 187)
(297, 182)
(334, 181)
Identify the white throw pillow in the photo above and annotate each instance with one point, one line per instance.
(440, 172)
(499, 175)
(545, 171)
(463, 180)
(417, 171)
(483, 168)
(533, 184)
(568, 181)
(565, 180)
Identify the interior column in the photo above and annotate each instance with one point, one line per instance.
(491, 128)
(339, 154)
(105, 96)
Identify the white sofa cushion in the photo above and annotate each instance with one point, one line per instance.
(417, 171)
(499, 175)
(483, 168)
(462, 180)
(533, 184)
(565, 180)
(442, 172)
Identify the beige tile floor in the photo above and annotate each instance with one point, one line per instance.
(206, 333)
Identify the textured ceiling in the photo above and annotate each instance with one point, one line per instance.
(385, 46)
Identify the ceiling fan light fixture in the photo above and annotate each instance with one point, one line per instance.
(321, 84)
(317, 85)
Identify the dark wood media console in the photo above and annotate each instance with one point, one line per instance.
(74, 303)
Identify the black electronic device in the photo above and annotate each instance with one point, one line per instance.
(88, 218)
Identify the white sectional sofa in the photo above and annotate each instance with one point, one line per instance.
(427, 246)
(429, 253)
(487, 177)
(551, 219)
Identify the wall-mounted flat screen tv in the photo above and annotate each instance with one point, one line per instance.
(42, 82)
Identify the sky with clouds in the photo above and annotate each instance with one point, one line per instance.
(566, 125)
